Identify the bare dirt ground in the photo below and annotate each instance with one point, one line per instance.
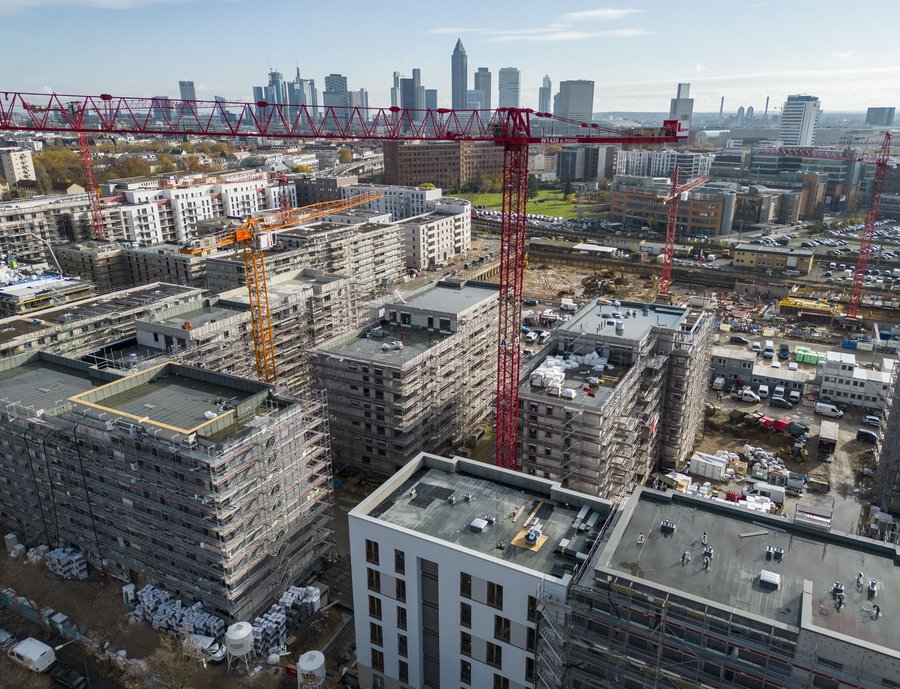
(549, 283)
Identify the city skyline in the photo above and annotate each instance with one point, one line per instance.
(632, 54)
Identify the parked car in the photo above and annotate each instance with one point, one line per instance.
(68, 677)
(781, 402)
(866, 436)
(825, 409)
(530, 302)
(763, 391)
(871, 420)
(794, 396)
(738, 340)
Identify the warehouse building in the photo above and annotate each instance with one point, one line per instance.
(450, 559)
(211, 486)
(419, 377)
(621, 392)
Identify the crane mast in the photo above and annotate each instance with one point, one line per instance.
(671, 202)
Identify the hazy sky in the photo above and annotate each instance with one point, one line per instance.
(844, 52)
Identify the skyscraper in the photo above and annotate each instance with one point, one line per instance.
(431, 99)
(544, 93)
(276, 91)
(508, 83)
(576, 100)
(880, 117)
(483, 84)
(459, 73)
(418, 90)
(799, 118)
(395, 90)
(681, 107)
(360, 99)
(188, 92)
(336, 95)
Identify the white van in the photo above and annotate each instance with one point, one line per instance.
(748, 395)
(823, 409)
(779, 391)
(718, 383)
(767, 490)
(763, 391)
(531, 336)
(544, 336)
(33, 654)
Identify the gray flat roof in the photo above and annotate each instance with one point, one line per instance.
(761, 249)
(201, 316)
(448, 298)
(43, 385)
(739, 352)
(739, 538)
(577, 380)
(431, 515)
(598, 320)
(358, 346)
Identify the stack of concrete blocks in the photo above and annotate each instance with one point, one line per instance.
(37, 555)
(170, 615)
(11, 542)
(67, 563)
(270, 631)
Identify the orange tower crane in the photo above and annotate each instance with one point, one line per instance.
(671, 201)
(250, 237)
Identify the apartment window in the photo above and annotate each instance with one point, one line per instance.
(402, 645)
(376, 634)
(501, 682)
(501, 628)
(377, 660)
(465, 672)
(529, 670)
(465, 585)
(493, 654)
(375, 607)
(401, 590)
(403, 674)
(532, 609)
(465, 643)
(401, 617)
(371, 552)
(530, 639)
(465, 615)
(399, 562)
(374, 579)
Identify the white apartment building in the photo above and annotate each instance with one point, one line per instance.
(662, 163)
(849, 382)
(799, 119)
(400, 202)
(16, 164)
(451, 559)
(434, 238)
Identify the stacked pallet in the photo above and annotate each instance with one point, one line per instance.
(67, 563)
(170, 615)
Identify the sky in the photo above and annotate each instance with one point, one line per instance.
(636, 51)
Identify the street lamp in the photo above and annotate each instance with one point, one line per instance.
(41, 239)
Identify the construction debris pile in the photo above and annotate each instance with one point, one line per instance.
(67, 563)
(168, 614)
(270, 630)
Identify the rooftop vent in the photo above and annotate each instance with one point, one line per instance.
(489, 518)
(769, 579)
(478, 525)
(468, 497)
(452, 499)
(667, 527)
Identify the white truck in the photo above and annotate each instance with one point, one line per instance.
(33, 654)
(568, 305)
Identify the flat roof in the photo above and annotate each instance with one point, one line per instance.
(200, 316)
(739, 538)
(283, 285)
(43, 385)
(739, 352)
(448, 297)
(761, 249)
(429, 514)
(600, 319)
(20, 291)
(371, 349)
(576, 379)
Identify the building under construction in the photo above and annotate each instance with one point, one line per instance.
(621, 393)
(211, 486)
(419, 377)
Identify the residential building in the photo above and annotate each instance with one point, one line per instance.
(483, 84)
(447, 164)
(662, 163)
(628, 398)
(78, 328)
(888, 491)
(681, 107)
(432, 239)
(880, 117)
(419, 377)
(16, 165)
(712, 606)
(166, 263)
(849, 382)
(459, 75)
(321, 188)
(187, 90)
(54, 219)
(707, 210)
(147, 475)
(509, 87)
(449, 558)
(799, 119)
(575, 100)
(103, 263)
(404, 201)
(776, 258)
(34, 294)
(544, 93)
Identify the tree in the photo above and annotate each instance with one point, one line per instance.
(534, 189)
(59, 165)
(191, 164)
(567, 188)
(427, 185)
(170, 664)
(818, 216)
(345, 155)
(304, 169)
(164, 163)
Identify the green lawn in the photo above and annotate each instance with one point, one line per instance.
(548, 202)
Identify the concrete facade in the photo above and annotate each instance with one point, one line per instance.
(756, 257)
(451, 165)
(434, 238)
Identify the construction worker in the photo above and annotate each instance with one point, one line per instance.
(685, 557)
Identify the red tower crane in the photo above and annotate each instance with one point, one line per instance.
(513, 128)
(865, 246)
(671, 201)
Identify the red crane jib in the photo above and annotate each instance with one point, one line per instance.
(513, 128)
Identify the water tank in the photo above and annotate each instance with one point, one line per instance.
(311, 670)
(239, 639)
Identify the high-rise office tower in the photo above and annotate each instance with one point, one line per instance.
(162, 108)
(576, 100)
(799, 118)
(359, 99)
(459, 73)
(544, 93)
(418, 89)
(337, 95)
(880, 117)
(395, 90)
(483, 84)
(188, 92)
(508, 84)
(473, 99)
(681, 107)
(431, 99)
(276, 91)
